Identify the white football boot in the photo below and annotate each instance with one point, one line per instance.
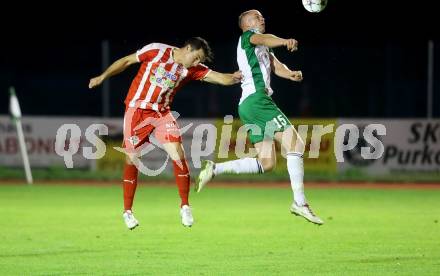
(187, 218)
(305, 212)
(130, 220)
(205, 175)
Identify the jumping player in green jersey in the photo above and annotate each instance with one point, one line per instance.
(258, 111)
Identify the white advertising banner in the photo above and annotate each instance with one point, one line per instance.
(404, 146)
(41, 135)
(409, 146)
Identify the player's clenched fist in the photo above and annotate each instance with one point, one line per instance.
(296, 76)
(237, 75)
(95, 81)
(291, 44)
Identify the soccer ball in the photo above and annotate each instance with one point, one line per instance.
(314, 5)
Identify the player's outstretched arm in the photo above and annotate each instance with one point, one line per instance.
(116, 68)
(281, 70)
(272, 41)
(223, 78)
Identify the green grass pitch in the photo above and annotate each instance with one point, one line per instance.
(78, 230)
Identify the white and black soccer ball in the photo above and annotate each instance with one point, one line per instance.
(314, 5)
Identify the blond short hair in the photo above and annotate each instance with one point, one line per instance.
(241, 16)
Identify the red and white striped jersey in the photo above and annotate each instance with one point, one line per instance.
(159, 78)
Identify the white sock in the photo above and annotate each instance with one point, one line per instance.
(295, 166)
(245, 165)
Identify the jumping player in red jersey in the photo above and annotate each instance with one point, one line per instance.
(163, 71)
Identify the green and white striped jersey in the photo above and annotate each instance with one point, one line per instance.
(254, 63)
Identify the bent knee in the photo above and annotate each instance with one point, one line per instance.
(128, 160)
(267, 164)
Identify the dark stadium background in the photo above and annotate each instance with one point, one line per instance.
(359, 58)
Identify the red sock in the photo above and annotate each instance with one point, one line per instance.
(129, 185)
(181, 173)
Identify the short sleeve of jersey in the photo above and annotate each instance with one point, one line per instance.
(198, 72)
(147, 53)
(246, 39)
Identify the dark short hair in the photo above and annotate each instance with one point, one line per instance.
(197, 43)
